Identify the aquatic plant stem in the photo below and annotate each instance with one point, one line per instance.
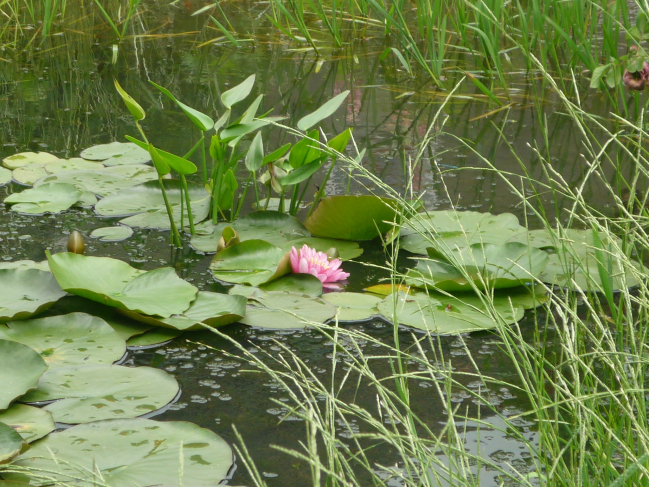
(321, 191)
(189, 205)
(203, 160)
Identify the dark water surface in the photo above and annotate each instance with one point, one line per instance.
(59, 97)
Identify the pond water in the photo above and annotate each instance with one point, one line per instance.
(59, 97)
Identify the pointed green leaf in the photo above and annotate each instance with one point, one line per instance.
(134, 107)
(323, 112)
(276, 154)
(255, 155)
(238, 93)
(202, 121)
(160, 164)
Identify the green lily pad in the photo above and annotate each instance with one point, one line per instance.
(74, 164)
(72, 339)
(117, 154)
(447, 230)
(285, 310)
(112, 282)
(346, 249)
(103, 182)
(211, 309)
(48, 198)
(21, 368)
(27, 158)
(354, 306)
(296, 283)
(131, 453)
(445, 315)
(112, 234)
(273, 227)
(29, 422)
(26, 292)
(86, 200)
(252, 262)
(28, 175)
(5, 176)
(96, 392)
(153, 338)
(26, 264)
(488, 265)
(11, 443)
(352, 217)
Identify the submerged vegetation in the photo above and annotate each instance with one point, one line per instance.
(550, 272)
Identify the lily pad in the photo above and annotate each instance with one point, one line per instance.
(445, 315)
(11, 443)
(346, 249)
(29, 422)
(354, 306)
(112, 234)
(26, 264)
(447, 230)
(5, 176)
(486, 265)
(26, 292)
(74, 164)
(252, 262)
(112, 282)
(131, 453)
(72, 339)
(103, 182)
(21, 368)
(96, 392)
(153, 338)
(348, 217)
(296, 283)
(211, 309)
(26, 158)
(117, 154)
(28, 175)
(48, 198)
(285, 310)
(273, 227)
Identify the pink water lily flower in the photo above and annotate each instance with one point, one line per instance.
(310, 261)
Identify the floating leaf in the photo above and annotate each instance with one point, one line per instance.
(26, 264)
(26, 158)
(153, 338)
(274, 227)
(95, 392)
(48, 198)
(346, 249)
(444, 315)
(28, 175)
(352, 217)
(296, 283)
(131, 453)
(26, 292)
(74, 164)
(387, 289)
(446, 230)
(354, 306)
(112, 234)
(285, 310)
(117, 154)
(11, 443)
(212, 309)
(112, 282)
(29, 422)
(487, 266)
(72, 339)
(252, 262)
(21, 367)
(238, 93)
(326, 110)
(5, 176)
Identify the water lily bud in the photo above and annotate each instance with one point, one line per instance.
(333, 253)
(76, 244)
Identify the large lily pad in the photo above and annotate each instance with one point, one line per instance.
(112, 282)
(11, 443)
(29, 422)
(27, 158)
(296, 283)
(117, 154)
(444, 315)
(48, 198)
(74, 164)
(28, 175)
(96, 392)
(273, 227)
(21, 369)
(146, 201)
(354, 306)
(447, 230)
(346, 249)
(352, 217)
(285, 310)
(131, 453)
(252, 262)
(5, 176)
(211, 309)
(486, 265)
(26, 292)
(153, 338)
(72, 339)
(112, 234)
